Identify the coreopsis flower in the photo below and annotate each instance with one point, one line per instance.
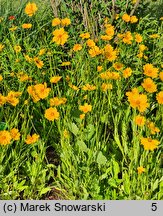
(60, 36)
(56, 21)
(133, 19)
(90, 43)
(30, 9)
(15, 135)
(28, 59)
(149, 85)
(109, 53)
(1, 78)
(77, 47)
(32, 139)
(94, 51)
(65, 22)
(2, 100)
(84, 35)
(38, 62)
(118, 66)
(1, 47)
(82, 116)
(66, 134)
(73, 87)
(26, 25)
(99, 68)
(150, 70)
(66, 63)
(127, 72)
(106, 86)
(23, 77)
(140, 170)
(88, 87)
(149, 144)
(126, 18)
(138, 38)
(17, 48)
(85, 108)
(57, 101)
(31, 91)
(109, 30)
(140, 120)
(12, 98)
(51, 114)
(137, 100)
(159, 97)
(55, 79)
(106, 37)
(42, 52)
(161, 76)
(5, 137)
(154, 36)
(127, 38)
(153, 128)
(142, 47)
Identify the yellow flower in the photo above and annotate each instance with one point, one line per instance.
(149, 85)
(82, 116)
(127, 72)
(60, 36)
(17, 48)
(118, 66)
(153, 36)
(106, 86)
(150, 71)
(5, 137)
(142, 47)
(99, 68)
(127, 37)
(1, 78)
(55, 79)
(140, 120)
(85, 108)
(56, 21)
(90, 43)
(161, 76)
(23, 77)
(51, 114)
(27, 58)
(38, 62)
(88, 87)
(27, 25)
(66, 63)
(126, 18)
(65, 22)
(2, 100)
(153, 128)
(31, 9)
(15, 135)
(57, 101)
(84, 35)
(32, 139)
(159, 97)
(94, 51)
(140, 170)
(42, 52)
(138, 38)
(77, 47)
(12, 98)
(73, 87)
(137, 100)
(149, 144)
(66, 134)
(106, 37)
(109, 53)
(133, 19)
(109, 31)
(1, 47)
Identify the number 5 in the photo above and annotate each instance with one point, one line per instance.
(154, 207)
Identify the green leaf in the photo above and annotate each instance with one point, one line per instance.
(3, 126)
(82, 145)
(73, 128)
(45, 190)
(155, 185)
(101, 159)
